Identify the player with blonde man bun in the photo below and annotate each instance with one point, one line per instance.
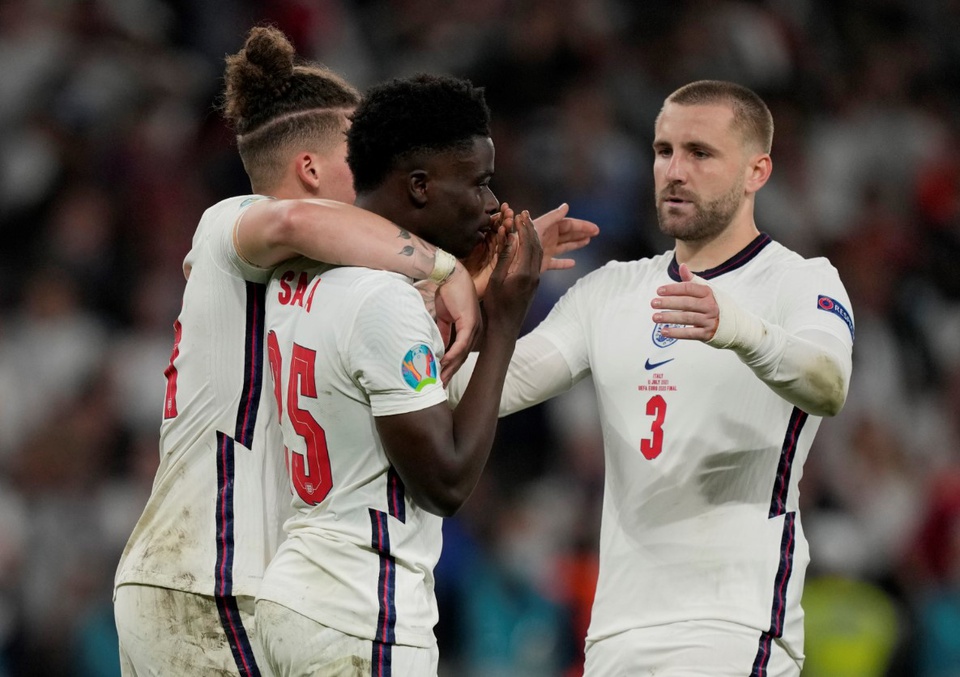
(186, 580)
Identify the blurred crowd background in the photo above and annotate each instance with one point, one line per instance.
(111, 147)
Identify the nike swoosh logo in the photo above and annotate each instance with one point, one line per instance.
(653, 365)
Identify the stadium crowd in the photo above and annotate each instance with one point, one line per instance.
(111, 146)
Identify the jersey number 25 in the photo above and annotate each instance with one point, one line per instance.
(310, 471)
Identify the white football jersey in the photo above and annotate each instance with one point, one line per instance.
(700, 511)
(346, 345)
(214, 517)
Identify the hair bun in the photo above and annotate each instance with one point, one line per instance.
(271, 52)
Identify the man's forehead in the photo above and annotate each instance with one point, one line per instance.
(479, 156)
(688, 121)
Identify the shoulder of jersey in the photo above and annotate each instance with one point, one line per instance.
(626, 269)
(778, 259)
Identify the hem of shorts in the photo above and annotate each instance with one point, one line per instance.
(202, 587)
(348, 626)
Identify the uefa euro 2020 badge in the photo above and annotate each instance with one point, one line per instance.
(419, 367)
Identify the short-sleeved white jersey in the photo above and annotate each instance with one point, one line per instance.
(346, 345)
(700, 510)
(214, 517)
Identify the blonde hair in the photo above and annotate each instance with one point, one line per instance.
(277, 106)
(750, 114)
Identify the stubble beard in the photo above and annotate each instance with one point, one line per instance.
(707, 221)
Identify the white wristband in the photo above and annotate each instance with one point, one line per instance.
(443, 266)
(737, 329)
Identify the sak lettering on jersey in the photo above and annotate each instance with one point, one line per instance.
(831, 305)
(289, 296)
(419, 367)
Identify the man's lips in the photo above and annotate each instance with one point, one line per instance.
(676, 199)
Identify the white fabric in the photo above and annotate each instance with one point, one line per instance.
(299, 646)
(358, 326)
(687, 649)
(214, 517)
(810, 369)
(146, 614)
(696, 503)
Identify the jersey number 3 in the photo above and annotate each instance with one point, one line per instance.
(651, 447)
(310, 471)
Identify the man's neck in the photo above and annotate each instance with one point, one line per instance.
(707, 254)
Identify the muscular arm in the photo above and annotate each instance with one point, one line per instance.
(272, 231)
(440, 453)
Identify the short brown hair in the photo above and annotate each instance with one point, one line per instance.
(750, 113)
(277, 106)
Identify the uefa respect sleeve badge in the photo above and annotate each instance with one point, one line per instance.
(831, 305)
(419, 367)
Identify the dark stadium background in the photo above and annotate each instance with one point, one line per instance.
(111, 147)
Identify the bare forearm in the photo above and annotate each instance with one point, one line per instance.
(472, 433)
(332, 232)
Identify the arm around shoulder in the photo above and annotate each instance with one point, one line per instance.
(271, 231)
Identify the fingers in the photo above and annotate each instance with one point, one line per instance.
(576, 229)
(689, 303)
(688, 332)
(571, 245)
(545, 221)
(680, 303)
(694, 289)
(465, 336)
(532, 250)
(506, 248)
(557, 264)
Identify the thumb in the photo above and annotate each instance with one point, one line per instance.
(687, 275)
(555, 215)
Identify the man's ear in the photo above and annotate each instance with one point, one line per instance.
(417, 181)
(758, 172)
(307, 168)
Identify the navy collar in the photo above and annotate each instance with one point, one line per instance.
(739, 259)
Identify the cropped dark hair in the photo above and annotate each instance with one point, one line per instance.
(277, 105)
(404, 117)
(750, 114)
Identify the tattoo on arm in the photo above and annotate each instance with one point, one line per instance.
(403, 233)
(407, 251)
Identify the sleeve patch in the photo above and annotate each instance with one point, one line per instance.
(831, 305)
(419, 367)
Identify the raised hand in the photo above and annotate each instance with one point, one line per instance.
(456, 305)
(560, 234)
(690, 303)
(483, 259)
(516, 276)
